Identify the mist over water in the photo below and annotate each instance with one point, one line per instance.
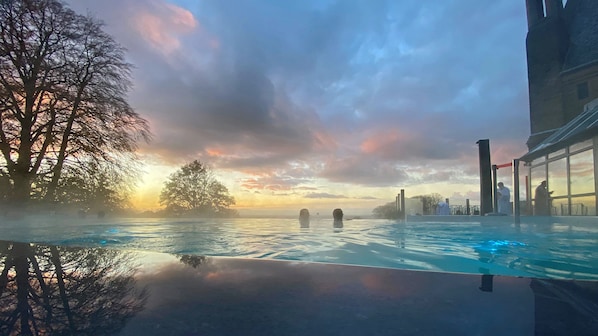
(551, 250)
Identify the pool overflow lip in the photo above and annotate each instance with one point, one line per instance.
(147, 293)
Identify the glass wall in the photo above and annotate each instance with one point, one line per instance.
(582, 172)
(583, 206)
(557, 177)
(560, 207)
(570, 175)
(538, 174)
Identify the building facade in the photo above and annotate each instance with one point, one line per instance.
(562, 58)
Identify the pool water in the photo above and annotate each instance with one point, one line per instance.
(548, 250)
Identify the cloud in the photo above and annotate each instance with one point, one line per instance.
(323, 195)
(162, 26)
(362, 93)
(363, 172)
(279, 180)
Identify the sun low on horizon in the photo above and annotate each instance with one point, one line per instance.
(324, 104)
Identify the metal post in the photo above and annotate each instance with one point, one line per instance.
(494, 186)
(528, 198)
(485, 177)
(516, 203)
(403, 211)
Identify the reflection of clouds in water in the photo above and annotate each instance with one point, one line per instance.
(226, 281)
(252, 276)
(224, 290)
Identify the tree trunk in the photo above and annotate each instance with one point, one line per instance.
(21, 189)
(23, 287)
(62, 288)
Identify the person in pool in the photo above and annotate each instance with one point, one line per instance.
(304, 218)
(337, 214)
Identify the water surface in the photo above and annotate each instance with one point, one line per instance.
(549, 249)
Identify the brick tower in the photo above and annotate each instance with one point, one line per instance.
(562, 59)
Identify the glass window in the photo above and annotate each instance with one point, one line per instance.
(560, 207)
(557, 153)
(557, 177)
(583, 206)
(539, 160)
(582, 172)
(522, 191)
(581, 145)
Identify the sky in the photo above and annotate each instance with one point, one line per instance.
(323, 103)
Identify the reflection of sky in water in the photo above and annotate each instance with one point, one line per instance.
(553, 250)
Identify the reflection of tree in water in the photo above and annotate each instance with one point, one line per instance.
(193, 260)
(57, 290)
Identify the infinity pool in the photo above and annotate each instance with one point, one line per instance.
(545, 250)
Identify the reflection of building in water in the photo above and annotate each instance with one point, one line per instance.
(565, 308)
(487, 284)
(562, 59)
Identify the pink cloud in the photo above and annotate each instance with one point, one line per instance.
(278, 180)
(503, 151)
(380, 141)
(164, 25)
(268, 183)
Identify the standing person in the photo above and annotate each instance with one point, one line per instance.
(542, 204)
(504, 199)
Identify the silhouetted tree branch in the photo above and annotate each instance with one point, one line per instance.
(63, 86)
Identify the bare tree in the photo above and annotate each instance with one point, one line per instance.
(429, 202)
(63, 86)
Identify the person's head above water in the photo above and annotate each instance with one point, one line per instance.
(337, 214)
(304, 218)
